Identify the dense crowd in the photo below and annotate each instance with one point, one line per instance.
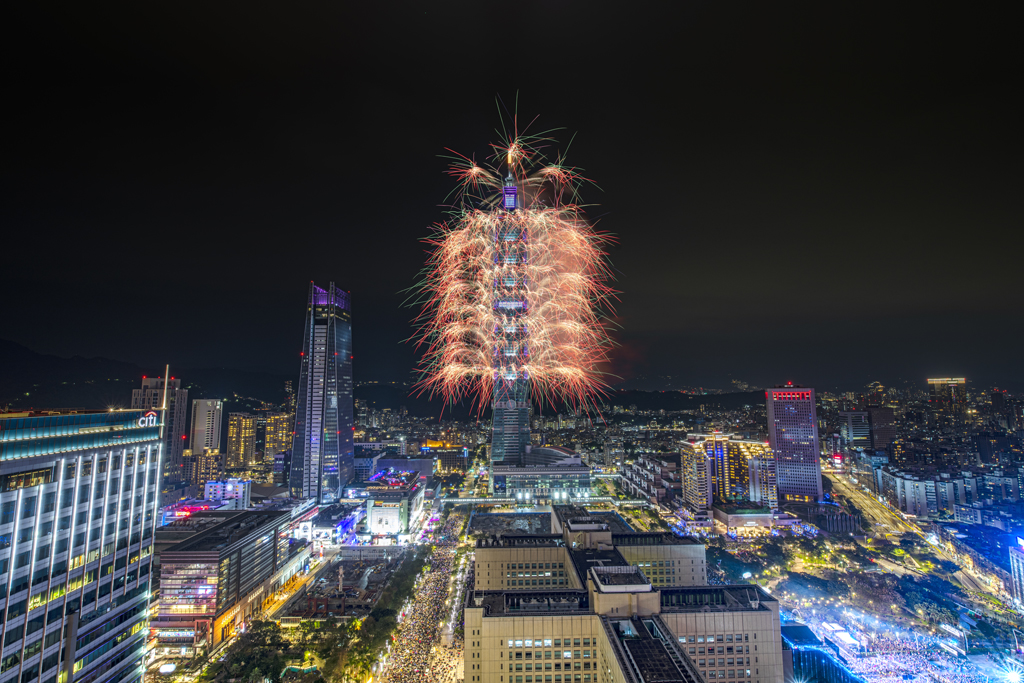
(897, 658)
(415, 654)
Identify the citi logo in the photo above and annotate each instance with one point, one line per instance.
(148, 420)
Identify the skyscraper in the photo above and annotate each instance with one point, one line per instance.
(241, 440)
(279, 434)
(151, 397)
(322, 447)
(695, 465)
(947, 396)
(855, 429)
(763, 481)
(84, 620)
(883, 427)
(206, 425)
(510, 428)
(793, 436)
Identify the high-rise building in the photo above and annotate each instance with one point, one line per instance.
(855, 429)
(729, 468)
(883, 427)
(206, 425)
(697, 493)
(151, 397)
(510, 428)
(793, 437)
(764, 487)
(202, 467)
(947, 396)
(279, 434)
(241, 440)
(78, 586)
(322, 449)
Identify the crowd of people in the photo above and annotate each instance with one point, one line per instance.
(415, 654)
(895, 657)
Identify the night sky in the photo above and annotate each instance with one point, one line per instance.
(829, 193)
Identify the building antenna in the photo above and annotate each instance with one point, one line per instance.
(163, 405)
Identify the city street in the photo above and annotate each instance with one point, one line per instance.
(883, 518)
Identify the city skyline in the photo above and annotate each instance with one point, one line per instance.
(879, 175)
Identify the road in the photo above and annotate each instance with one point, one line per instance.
(881, 514)
(282, 608)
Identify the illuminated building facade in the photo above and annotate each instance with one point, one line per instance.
(793, 437)
(322, 449)
(855, 429)
(764, 488)
(947, 397)
(206, 425)
(278, 434)
(151, 397)
(1017, 570)
(697, 493)
(241, 440)
(394, 500)
(80, 491)
(583, 603)
(220, 577)
(510, 429)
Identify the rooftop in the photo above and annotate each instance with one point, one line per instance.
(738, 597)
(647, 651)
(614, 521)
(501, 603)
(233, 529)
(521, 541)
(511, 522)
(799, 635)
(583, 560)
(620, 579)
(392, 479)
(653, 538)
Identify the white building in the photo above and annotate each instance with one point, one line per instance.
(206, 425)
(233, 492)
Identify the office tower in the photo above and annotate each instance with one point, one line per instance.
(764, 488)
(151, 397)
(241, 440)
(855, 429)
(206, 425)
(79, 500)
(697, 491)
(947, 396)
(793, 437)
(883, 427)
(614, 606)
(219, 579)
(322, 447)
(279, 434)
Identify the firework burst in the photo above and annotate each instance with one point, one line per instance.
(516, 287)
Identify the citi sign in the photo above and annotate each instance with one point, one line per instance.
(148, 420)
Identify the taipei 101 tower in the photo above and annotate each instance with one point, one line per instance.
(515, 296)
(510, 431)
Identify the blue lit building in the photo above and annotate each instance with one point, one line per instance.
(805, 658)
(322, 453)
(78, 507)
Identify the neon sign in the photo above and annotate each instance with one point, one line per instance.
(148, 420)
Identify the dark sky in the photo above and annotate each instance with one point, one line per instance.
(823, 192)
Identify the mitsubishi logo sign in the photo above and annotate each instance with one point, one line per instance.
(148, 420)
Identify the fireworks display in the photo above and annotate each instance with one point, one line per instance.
(516, 291)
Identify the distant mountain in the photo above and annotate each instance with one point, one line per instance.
(35, 380)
